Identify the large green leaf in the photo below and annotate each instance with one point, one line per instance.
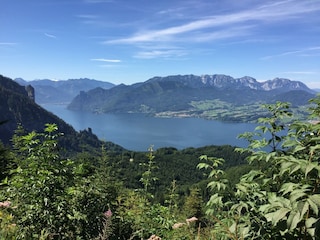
(313, 206)
(315, 198)
(279, 215)
(293, 219)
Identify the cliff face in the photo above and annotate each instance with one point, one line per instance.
(18, 107)
(30, 92)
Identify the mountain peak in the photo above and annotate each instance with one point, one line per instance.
(284, 83)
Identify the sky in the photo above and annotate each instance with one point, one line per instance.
(129, 41)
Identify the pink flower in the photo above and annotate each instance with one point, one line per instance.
(177, 225)
(108, 213)
(5, 204)
(154, 237)
(190, 220)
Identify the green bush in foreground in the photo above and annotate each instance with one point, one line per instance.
(53, 198)
(279, 199)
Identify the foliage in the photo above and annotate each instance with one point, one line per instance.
(280, 198)
(147, 179)
(56, 195)
(53, 199)
(7, 225)
(6, 162)
(136, 208)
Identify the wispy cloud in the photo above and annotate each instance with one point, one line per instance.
(108, 66)
(98, 1)
(300, 72)
(160, 54)
(87, 16)
(7, 43)
(105, 60)
(311, 51)
(274, 12)
(50, 35)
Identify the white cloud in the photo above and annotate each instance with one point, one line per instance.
(160, 53)
(106, 60)
(49, 35)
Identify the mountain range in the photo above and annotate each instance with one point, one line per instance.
(61, 91)
(182, 92)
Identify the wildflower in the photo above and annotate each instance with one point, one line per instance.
(5, 204)
(190, 220)
(154, 237)
(108, 213)
(177, 225)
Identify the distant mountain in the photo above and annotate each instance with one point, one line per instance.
(18, 107)
(62, 91)
(180, 92)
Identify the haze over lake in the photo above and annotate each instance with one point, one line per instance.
(137, 131)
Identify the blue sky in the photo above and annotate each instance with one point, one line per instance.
(128, 41)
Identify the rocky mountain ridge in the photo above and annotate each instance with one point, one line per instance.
(224, 81)
(186, 93)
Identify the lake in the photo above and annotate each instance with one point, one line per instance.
(137, 132)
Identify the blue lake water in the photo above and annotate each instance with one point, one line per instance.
(137, 131)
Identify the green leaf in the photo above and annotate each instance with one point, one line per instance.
(279, 215)
(315, 198)
(233, 228)
(203, 157)
(268, 216)
(310, 222)
(310, 166)
(297, 194)
(293, 220)
(303, 207)
(313, 206)
(203, 166)
(288, 187)
(216, 185)
(215, 200)
(298, 148)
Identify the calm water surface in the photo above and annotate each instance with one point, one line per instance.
(137, 131)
